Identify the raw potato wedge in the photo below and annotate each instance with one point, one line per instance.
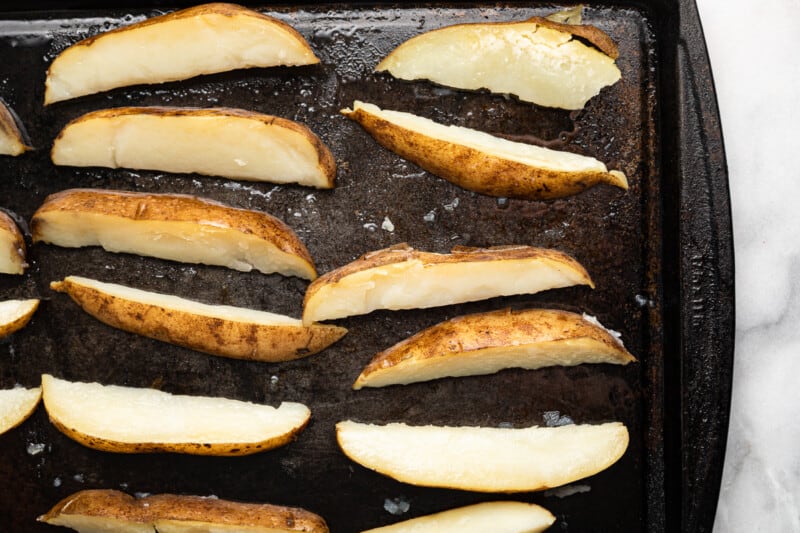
(484, 459)
(538, 60)
(485, 343)
(401, 277)
(215, 329)
(15, 314)
(497, 517)
(12, 139)
(233, 143)
(16, 405)
(481, 162)
(204, 39)
(136, 420)
(178, 227)
(12, 247)
(90, 511)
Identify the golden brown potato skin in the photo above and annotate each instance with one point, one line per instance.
(117, 505)
(215, 336)
(600, 39)
(17, 248)
(494, 329)
(475, 170)
(219, 449)
(133, 206)
(403, 252)
(326, 160)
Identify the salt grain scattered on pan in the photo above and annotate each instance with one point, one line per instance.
(387, 224)
(371, 226)
(569, 490)
(396, 506)
(311, 198)
(616, 334)
(141, 494)
(298, 214)
(35, 448)
(430, 216)
(79, 478)
(57, 482)
(451, 206)
(553, 419)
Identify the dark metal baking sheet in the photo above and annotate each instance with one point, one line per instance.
(659, 253)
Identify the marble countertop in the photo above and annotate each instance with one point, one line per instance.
(758, 85)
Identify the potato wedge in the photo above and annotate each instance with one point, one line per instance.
(15, 314)
(481, 162)
(215, 329)
(497, 517)
(178, 227)
(401, 277)
(485, 343)
(12, 247)
(12, 138)
(16, 405)
(484, 459)
(204, 39)
(135, 420)
(233, 143)
(90, 511)
(538, 60)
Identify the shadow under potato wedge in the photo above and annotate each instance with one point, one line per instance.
(233, 143)
(120, 419)
(481, 162)
(89, 511)
(214, 329)
(204, 39)
(177, 227)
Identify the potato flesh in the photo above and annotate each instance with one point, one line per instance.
(565, 352)
(16, 405)
(12, 312)
(167, 301)
(538, 64)
(181, 526)
(497, 517)
(131, 415)
(188, 242)
(230, 146)
(177, 49)
(99, 524)
(527, 154)
(484, 459)
(11, 144)
(412, 284)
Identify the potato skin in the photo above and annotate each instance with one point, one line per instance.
(118, 505)
(16, 250)
(326, 160)
(215, 336)
(479, 331)
(475, 170)
(133, 206)
(10, 129)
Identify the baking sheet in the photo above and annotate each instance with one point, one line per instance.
(616, 235)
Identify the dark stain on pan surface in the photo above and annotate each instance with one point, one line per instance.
(610, 231)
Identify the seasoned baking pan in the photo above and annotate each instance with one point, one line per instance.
(660, 255)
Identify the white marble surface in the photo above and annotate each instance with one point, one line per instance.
(758, 85)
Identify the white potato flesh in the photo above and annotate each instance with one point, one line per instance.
(99, 524)
(413, 284)
(566, 352)
(16, 405)
(497, 517)
(528, 154)
(134, 415)
(184, 526)
(11, 138)
(12, 258)
(187, 242)
(233, 145)
(168, 301)
(177, 46)
(14, 314)
(538, 64)
(484, 459)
